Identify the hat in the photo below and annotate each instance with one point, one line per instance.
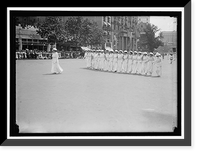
(139, 52)
(151, 53)
(157, 54)
(54, 49)
(145, 53)
(116, 51)
(125, 51)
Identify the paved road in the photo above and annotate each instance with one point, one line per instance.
(82, 100)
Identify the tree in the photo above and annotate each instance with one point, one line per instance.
(82, 32)
(149, 40)
(97, 38)
(52, 29)
(78, 30)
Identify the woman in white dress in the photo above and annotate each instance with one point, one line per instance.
(158, 64)
(55, 63)
(130, 61)
(89, 57)
(125, 62)
(134, 64)
(150, 64)
(106, 62)
(114, 68)
(139, 63)
(86, 59)
(110, 66)
(119, 61)
(144, 64)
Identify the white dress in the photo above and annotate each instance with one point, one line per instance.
(55, 64)
(134, 64)
(158, 66)
(110, 66)
(106, 62)
(115, 62)
(125, 63)
(139, 64)
(119, 62)
(144, 65)
(130, 61)
(150, 66)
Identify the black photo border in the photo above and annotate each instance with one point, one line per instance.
(110, 142)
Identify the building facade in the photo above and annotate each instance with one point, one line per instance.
(170, 39)
(120, 32)
(27, 38)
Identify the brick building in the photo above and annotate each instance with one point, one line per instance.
(170, 39)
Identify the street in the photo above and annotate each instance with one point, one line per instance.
(83, 100)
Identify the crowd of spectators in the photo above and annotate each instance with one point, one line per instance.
(38, 54)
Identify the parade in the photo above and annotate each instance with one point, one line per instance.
(95, 74)
(127, 62)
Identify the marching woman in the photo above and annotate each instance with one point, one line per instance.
(89, 59)
(134, 64)
(139, 63)
(106, 62)
(98, 59)
(150, 64)
(86, 59)
(125, 62)
(93, 59)
(158, 64)
(130, 61)
(102, 59)
(114, 68)
(110, 61)
(119, 61)
(55, 63)
(144, 64)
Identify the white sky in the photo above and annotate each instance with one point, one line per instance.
(164, 23)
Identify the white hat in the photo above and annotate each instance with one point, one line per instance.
(151, 53)
(157, 54)
(125, 51)
(145, 53)
(54, 49)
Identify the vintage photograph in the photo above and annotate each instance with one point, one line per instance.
(96, 74)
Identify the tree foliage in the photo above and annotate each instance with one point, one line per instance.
(149, 39)
(52, 29)
(77, 30)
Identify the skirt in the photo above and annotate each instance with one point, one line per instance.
(56, 68)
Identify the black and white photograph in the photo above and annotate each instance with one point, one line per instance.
(96, 73)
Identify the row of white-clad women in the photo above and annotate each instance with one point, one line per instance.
(124, 62)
